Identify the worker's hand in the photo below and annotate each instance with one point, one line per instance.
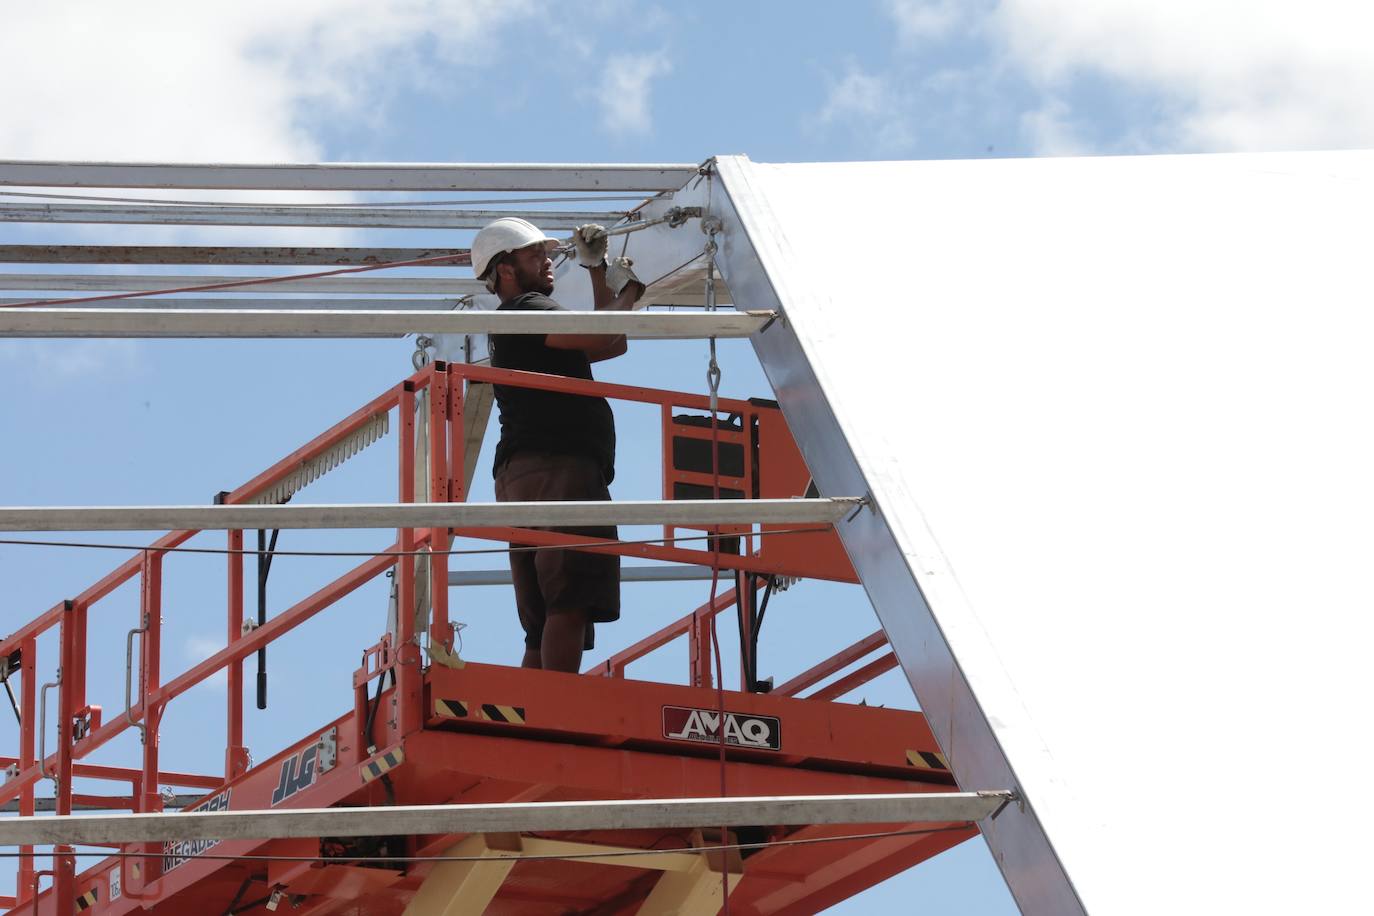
(590, 241)
(619, 274)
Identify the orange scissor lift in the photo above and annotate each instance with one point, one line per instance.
(427, 728)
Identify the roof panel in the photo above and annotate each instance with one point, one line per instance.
(1114, 414)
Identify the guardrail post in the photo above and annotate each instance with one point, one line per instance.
(457, 439)
(439, 483)
(28, 715)
(409, 679)
(700, 639)
(235, 754)
(145, 871)
(63, 861)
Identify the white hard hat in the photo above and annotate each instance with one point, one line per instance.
(509, 233)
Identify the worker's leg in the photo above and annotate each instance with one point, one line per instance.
(564, 634)
(511, 482)
(579, 587)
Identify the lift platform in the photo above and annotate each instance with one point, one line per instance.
(427, 727)
(496, 734)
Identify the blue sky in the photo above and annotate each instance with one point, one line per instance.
(618, 80)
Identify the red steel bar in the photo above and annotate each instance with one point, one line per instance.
(63, 862)
(616, 664)
(28, 666)
(457, 459)
(151, 670)
(439, 630)
(856, 678)
(409, 679)
(125, 774)
(235, 752)
(321, 443)
(520, 379)
(823, 670)
(537, 538)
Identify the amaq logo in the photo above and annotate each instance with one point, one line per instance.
(703, 725)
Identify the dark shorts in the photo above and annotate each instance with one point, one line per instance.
(560, 581)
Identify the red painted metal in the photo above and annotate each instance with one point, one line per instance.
(823, 670)
(573, 737)
(27, 737)
(63, 862)
(856, 678)
(616, 664)
(235, 752)
(439, 480)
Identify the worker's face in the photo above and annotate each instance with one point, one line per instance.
(533, 269)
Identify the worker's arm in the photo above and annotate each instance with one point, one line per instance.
(591, 252)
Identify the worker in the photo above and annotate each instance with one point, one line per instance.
(555, 446)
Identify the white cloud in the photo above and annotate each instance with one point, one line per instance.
(1234, 74)
(199, 648)
(42, 360)
(625, 98)
(169, 80)
(869, 103)
(923, 20)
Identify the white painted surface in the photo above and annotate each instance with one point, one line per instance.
(1131, 399)
(684, 512)
(146, 322)
(517, 817)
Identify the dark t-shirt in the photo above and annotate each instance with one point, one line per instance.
(548, 421)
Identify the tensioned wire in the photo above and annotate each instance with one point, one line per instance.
(96, 545)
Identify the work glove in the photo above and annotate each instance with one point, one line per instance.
(590, 242)
(620, 275)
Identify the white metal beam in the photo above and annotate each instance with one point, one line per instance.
(115, 283)
(906, 808)
(683, 512)
(323, 217)
(97, 322)
(350, 176)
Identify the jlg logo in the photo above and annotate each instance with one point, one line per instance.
(297, 772)
(703, 726)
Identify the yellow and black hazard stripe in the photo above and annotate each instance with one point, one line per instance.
(450, 709)
(927, 760)
(88, 899)
(489, 712)
(511, 715)
(383, 763)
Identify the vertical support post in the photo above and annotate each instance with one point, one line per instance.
(78, 672)
(143, 872)
(28, 717)
(409, 681)
(699, 637)
(457, 485)
(63, 862)
(150, 675)
(235, 753)
(666, 411)
(439, 478)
